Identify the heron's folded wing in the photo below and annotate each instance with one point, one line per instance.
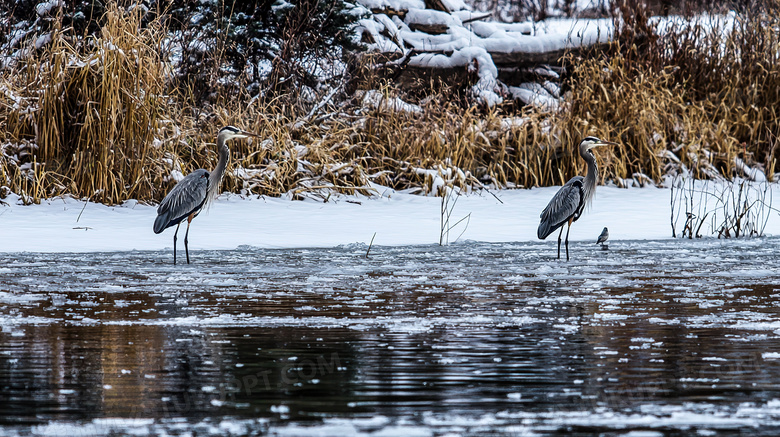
(561, 207)
(186, 196)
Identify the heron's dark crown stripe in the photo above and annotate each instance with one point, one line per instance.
(232, 129)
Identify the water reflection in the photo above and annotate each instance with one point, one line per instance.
(481, 337)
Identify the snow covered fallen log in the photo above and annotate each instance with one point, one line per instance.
(451, 40)
(537, 95)
(476, 60)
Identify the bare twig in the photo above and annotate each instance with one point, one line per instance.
(486, 189)
(82, 209)
(301, 122)
(735, 208)
(370, 244)
(468, 220)
(477, 18)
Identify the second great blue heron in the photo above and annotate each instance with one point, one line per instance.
(569, 202)
(196, 190)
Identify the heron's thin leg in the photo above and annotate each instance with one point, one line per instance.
(174, 243)
(567, 239)
(559, 242)
(186, 248)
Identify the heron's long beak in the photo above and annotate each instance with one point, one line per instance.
(605, 143)
(249, 134)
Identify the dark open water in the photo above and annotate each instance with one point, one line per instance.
(666, 338)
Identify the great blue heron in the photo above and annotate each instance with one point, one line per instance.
(603, 238)
(196, 190)
(569, 202)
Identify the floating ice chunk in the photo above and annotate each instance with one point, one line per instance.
(17, 298)
(610, 316)
(281, 409)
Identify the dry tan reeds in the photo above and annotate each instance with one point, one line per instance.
(93, 110)
(97, 118)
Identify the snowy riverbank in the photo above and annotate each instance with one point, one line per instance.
(396, 218)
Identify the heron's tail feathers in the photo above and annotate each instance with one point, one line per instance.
(160, 223)
(544, 230)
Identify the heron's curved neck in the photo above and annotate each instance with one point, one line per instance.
(589, 184)
(215, 178)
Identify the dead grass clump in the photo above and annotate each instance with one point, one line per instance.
(727, 66)
(406, 150)
(698, 97)
(97, 117)
(648, 114)
(92, 112)
(294, 156)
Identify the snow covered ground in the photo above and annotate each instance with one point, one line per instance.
(71, 225)
(67, 225)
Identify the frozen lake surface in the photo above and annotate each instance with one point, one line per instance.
(648, 338)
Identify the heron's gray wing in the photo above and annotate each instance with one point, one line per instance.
(187, 196)
(562, 206)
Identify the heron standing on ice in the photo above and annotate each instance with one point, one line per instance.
(569, 202)
(196, 190)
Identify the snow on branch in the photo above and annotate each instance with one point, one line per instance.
(476, 59)
(445, 36)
